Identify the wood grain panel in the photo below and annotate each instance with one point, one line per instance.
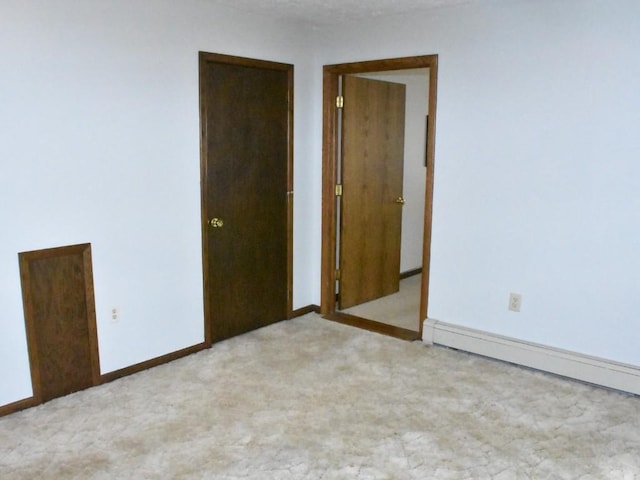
(247, 121)
(57, 289)
(372, 168)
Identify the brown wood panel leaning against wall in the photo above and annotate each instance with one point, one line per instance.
(58, 298)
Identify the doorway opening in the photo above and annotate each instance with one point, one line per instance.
(334, 184)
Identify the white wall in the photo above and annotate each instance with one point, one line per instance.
(415, 171)
(99, 142)
(537, 174)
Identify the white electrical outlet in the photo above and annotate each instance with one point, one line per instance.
(115, 314)
(515, 302)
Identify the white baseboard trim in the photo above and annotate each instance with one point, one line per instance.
(599, 371)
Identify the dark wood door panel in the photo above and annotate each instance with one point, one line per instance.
(246, 114)
(57, 287)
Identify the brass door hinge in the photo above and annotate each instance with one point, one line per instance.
(338, 275)
(338, 190)
(340, 101)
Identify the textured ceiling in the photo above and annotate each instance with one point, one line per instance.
(326, 11)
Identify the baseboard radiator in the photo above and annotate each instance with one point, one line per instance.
(598, 371)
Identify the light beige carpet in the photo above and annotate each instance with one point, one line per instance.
(401, 309)
(311, 399)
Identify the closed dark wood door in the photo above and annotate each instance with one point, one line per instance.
(371, 204)
(57, 289)
(246, 114)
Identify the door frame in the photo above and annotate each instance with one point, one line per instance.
(203, 58)
(331, 74)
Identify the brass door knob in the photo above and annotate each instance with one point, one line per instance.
(216, 222)
(400, 200)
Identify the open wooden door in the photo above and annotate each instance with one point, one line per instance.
(246, 117)
(371, 202)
